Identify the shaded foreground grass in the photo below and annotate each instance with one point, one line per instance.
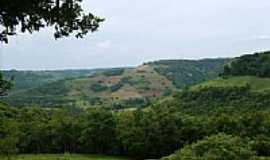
(63, 157)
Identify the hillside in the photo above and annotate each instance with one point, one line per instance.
(257, 64)
(185, 73)
(32, 79)
(236, 105)
(244, 90)
(256, 84)
(117, 88)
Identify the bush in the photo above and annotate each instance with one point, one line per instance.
(261, 145)
(114, 72)
(98, 87)
(216, 147)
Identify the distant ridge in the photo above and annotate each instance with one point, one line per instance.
(115, 87)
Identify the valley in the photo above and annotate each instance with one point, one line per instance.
(206, 108)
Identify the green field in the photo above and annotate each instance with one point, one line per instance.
(64, 157)
(257, 84)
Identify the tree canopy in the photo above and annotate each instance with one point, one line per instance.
(4, 85)
(249, 65)
(216, 147)
(66, 16)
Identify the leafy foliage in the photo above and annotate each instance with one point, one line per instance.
(216, 147)
(65, 157)
(66, 16)
(98, 87)
(4, 85)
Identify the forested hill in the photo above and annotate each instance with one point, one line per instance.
(257, 64)
(237, 105)
(244, 86)
(120, 87)
(185, 73)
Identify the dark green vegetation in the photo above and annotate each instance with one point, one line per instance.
(65, 16)
(150, 133)
(64, 157)
(257, 64)
(24, 80)
(220, 146)
(5, 85)
(223, 119)
(117, 88)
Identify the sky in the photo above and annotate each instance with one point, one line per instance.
(137, 31)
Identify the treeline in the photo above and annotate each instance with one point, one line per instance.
(150, 133)
(208, 100)
(257, 64)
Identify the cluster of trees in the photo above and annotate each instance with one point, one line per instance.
(150, 133)
(216, 147)
(114, 72)
(4, 85)
(257, 64)
(211, 99)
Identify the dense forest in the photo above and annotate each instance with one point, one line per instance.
(255, 65)
(227, 118)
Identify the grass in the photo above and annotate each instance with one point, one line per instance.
(63, 157)
(257, 84)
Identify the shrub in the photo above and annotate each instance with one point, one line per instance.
(98, 87)
(216, 147)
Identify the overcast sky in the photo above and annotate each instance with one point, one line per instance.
(138, 31)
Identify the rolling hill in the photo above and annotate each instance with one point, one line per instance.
(31, 79)
(242, 87)
(117, 88)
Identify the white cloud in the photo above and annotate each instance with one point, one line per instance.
(139, 31)
(261, 37)
(104, 44)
